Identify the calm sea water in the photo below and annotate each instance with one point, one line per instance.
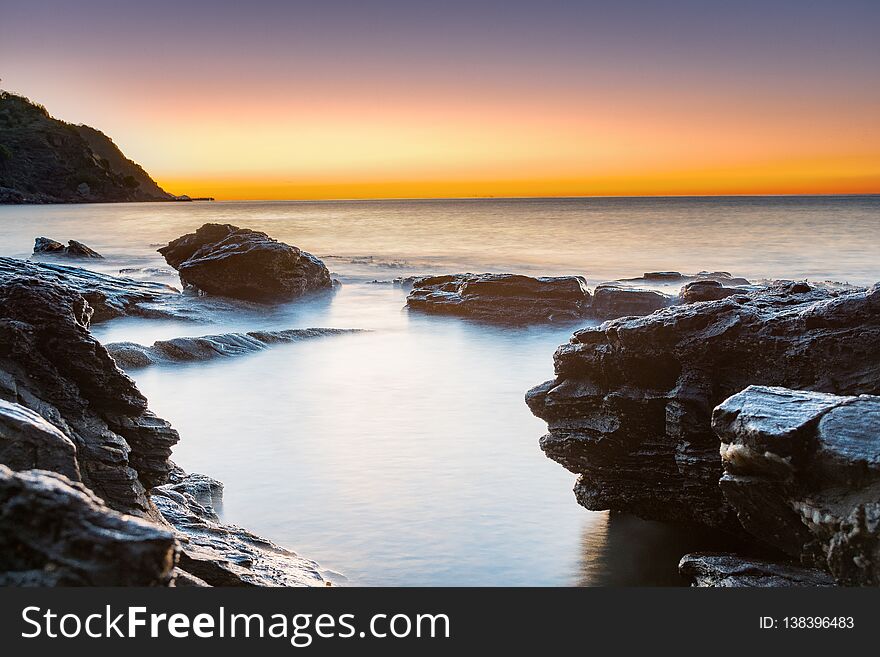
(405, 455)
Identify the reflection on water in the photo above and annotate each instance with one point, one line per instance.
(406, 455)
(621, 550)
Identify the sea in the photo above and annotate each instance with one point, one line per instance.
(405, 455)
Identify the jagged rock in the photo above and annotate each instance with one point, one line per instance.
(225, 555)
(129, 355)
(502, 297)
(28, 442)
(50, 364)
(614, 300)
(732, 571)
(55, 532)
(108, 296)
(630, 407)
(226, 260)
(707, 290)
(74, 249)
(802, 470)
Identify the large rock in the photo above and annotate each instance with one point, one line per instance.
(74, 249)
(802, 471)
(612, 300)
(225, 260)
(502, 297)
(630, 408)
(707, 290)
(55, 532)
(108, 296)
(732, 571)
(130, 355)
(219, 554)
(50, 364)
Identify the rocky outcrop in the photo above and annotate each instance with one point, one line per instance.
(630, 408)
(502, 297)
(732, 571)
(55, 532)
(802, 471)
(676, 277)
(74, 249)
(225, 260)
(225, 555)
(612, 300)
(129, 355)
(50, 364)
(513, 298)
(45, 160)
(108, 296)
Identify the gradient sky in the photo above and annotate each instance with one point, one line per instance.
(334, 99)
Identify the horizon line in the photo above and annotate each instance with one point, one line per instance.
(525, 198)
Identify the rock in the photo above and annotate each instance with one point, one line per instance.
(802, 471)
(732, 571)
(50, 364)
(129, 355)
(707, 290)
(29, 442)
(667, 277)
(74, 249)
(108, 296)
(502, 297)
(226, 555)
(614, 300)
(631, 405)
(225, 260)
(55, 532)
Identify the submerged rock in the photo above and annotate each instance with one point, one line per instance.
(802, 471)
(50, 364)
(74, 249)
(502, 297)
(108, 296)
(225, 260)
(732, 571)
(129, 355)
(55, 532)
(612, 300)
(630, 408)
(225, 555)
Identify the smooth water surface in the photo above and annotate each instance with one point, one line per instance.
(405, 455)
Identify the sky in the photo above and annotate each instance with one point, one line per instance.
(282, 99)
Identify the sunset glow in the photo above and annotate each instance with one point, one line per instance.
(221, 103)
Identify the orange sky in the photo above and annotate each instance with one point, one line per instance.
(297, 101)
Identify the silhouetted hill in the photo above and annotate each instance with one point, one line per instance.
(44, 160)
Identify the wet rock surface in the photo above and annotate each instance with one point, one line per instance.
(55, 532)
(219, 554)
(51, 365)
(802, 471)
(130, 355)
(708, 290)
(28, 441)
(108, 296)
(732, 571)
(74, 249)
(631, 405)
(225, 260)
(502, 297)
(615, 300)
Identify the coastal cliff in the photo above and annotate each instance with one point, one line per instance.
(45, 160)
